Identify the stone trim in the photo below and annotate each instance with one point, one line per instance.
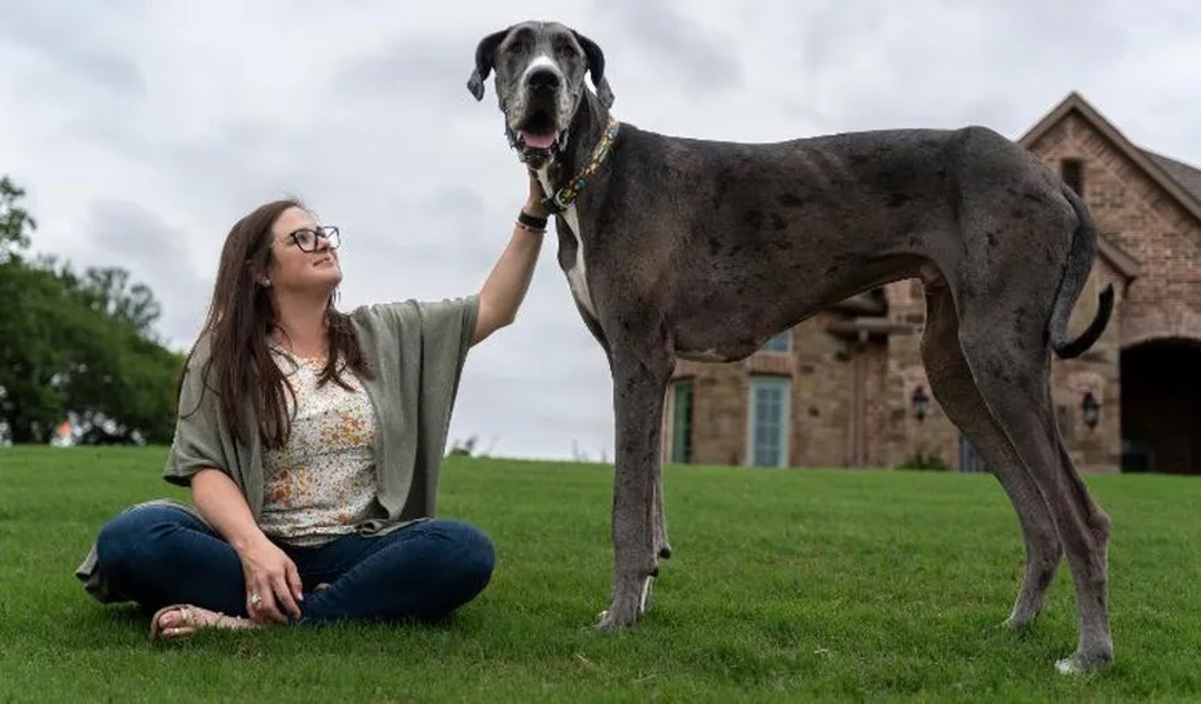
(858, 327)
(1123, 262)
(1172, 324)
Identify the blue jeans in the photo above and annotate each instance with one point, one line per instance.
(161, 556)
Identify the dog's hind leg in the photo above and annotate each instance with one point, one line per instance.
(1010, 364)
(952, 383)
(640, 375)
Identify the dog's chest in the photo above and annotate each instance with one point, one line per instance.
(577, 273)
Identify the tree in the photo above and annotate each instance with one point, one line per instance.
(79, 344)
(122, 385)
(15, 223)
(33, 351)
(107, 290)
(28, 395)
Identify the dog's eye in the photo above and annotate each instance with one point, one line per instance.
(563, 47)
(519, 42)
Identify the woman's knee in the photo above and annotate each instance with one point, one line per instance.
(130, 535)
(471, 553)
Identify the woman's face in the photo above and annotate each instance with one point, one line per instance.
(303, 254)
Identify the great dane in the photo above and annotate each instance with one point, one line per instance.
(678, 248)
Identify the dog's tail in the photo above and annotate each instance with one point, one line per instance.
(1080, 261)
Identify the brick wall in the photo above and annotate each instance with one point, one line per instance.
(1165, 300)
(821, 368)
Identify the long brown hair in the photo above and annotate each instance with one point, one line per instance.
(239, 323)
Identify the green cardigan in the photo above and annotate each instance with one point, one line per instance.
(416, 351)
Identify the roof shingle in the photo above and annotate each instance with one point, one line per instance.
(1188, 177)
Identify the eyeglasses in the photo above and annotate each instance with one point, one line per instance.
(306, 238)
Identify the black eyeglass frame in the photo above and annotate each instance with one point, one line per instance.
(330, 233)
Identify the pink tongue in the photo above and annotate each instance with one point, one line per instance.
(538, 141)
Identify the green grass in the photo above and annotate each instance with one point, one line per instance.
(786, 586)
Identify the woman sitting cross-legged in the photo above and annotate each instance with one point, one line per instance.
(311, 440)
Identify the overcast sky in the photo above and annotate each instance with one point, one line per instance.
(142, 130)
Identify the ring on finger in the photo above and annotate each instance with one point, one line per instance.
(255, 599)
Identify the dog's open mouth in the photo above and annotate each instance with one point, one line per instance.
(533, 140)
(538, 132)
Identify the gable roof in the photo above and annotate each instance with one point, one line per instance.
(1185, 175)
(1181, 181)
(1123, 262)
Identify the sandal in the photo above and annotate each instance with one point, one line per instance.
(192, 619)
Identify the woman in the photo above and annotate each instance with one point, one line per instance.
(311, 440)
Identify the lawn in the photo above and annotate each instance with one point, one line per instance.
(786, 586)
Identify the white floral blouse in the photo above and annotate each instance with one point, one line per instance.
(322, 482)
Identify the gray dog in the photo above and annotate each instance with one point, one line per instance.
(679, 248)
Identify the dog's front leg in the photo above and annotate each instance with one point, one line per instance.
(662, 545)
(639, 381)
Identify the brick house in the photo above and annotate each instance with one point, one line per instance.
(846, 388)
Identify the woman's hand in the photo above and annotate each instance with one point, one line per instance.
(272, 577)
(269, 573)
(533, 202)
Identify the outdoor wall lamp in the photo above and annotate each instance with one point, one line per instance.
(1091, 409)
(920, 402)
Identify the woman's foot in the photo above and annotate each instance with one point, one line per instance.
(179, 621)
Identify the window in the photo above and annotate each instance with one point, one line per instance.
(681, 422)
(970, 459)
(768, 422)
(779, 343)
(1072, 173)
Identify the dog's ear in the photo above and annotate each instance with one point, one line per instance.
(596, 66)
(484, 53)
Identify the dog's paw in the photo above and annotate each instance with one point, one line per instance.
(1014, 624)
(1069, 666)
(1078, 664)
(612, 619)
(605, 624)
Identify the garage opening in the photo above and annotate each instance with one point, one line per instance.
(1161, 407)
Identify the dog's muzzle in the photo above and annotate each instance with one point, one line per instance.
(537, 136)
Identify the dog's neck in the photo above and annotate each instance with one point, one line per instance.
(588, 126)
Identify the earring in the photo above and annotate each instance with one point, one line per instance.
(265, 281)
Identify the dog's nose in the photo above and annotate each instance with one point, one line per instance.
(543, 81)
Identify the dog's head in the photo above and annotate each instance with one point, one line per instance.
(540, 69)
